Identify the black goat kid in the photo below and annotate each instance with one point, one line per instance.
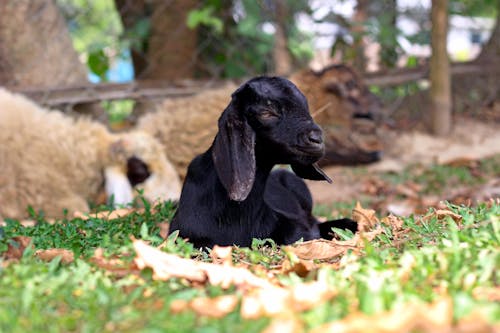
(230, 195)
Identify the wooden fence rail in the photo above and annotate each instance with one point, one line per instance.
(156, 90)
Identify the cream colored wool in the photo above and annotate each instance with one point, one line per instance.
(187, 126)
(54, 162)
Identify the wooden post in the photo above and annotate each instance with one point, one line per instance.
(439, 71)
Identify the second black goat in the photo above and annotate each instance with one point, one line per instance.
(231, 195)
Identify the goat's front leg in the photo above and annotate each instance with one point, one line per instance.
(325, 228)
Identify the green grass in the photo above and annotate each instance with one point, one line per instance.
(429, 258)
(438, 178)
(433, 254)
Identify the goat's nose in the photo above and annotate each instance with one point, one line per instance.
(315, 136)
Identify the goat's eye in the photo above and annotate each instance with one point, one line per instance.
(267, 115)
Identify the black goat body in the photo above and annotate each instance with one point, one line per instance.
(231, 195)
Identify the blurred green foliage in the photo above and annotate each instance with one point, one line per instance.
(95, 29)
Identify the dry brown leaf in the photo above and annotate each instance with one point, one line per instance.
(115, 265)
(442, 213)
(301, 267)
(267, 302)
(288, 324)
(24, 223)
(492, 294)
(435, 317)
(475, 322)
(394, 222)
(166, 266)
(67, 256)
(305, 296)
(326, 249)
(16, 247)
(164, 227)
(270, 302)
(410, 190)
(366, 218)
(216, 307)
(461, 161)
(108, 214)
(320, 249)
(222, 255)
(30, 223)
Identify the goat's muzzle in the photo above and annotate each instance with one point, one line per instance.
(311, 143)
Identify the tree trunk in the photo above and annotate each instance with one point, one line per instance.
(131, 13)
(358, 33)
(439, 70)
(281, 55)
(36, 48)
(170, 50)
(169, 53)
(389, 51)
(491, 50)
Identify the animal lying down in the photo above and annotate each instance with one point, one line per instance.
(230, 193)
(53, 162)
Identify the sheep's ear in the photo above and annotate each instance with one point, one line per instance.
(118, 149)
(137, 171)
(117, 186)
(310, 171)
(234, 154)
(287, 195)
(336, 88)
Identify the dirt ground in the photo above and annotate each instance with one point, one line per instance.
(470, 140)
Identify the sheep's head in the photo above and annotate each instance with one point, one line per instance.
(346, 110)
(138, 162)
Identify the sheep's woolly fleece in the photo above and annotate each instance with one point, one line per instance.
(187, 126)
(53, 162)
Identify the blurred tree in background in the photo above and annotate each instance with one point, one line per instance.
(36, 49)
(213, 39)
(439, 71)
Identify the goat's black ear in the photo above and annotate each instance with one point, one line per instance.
(310, 171)
(287, 195)
(234, 153)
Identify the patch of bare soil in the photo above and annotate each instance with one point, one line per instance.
(470, 140)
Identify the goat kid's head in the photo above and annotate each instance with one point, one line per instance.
(267, 122)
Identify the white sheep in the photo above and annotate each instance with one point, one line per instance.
(53, 162)
(338, 100)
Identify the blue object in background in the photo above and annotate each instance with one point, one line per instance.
(121, 70)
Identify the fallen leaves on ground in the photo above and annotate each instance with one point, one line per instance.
(16, 247)
(216, 307)
(411, 317)
(108, 214)
(434, 317)
(263, 295)
(67, 256)
(321, 249)
(283, 303)
(166, 266)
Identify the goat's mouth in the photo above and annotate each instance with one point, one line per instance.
(310, 151)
